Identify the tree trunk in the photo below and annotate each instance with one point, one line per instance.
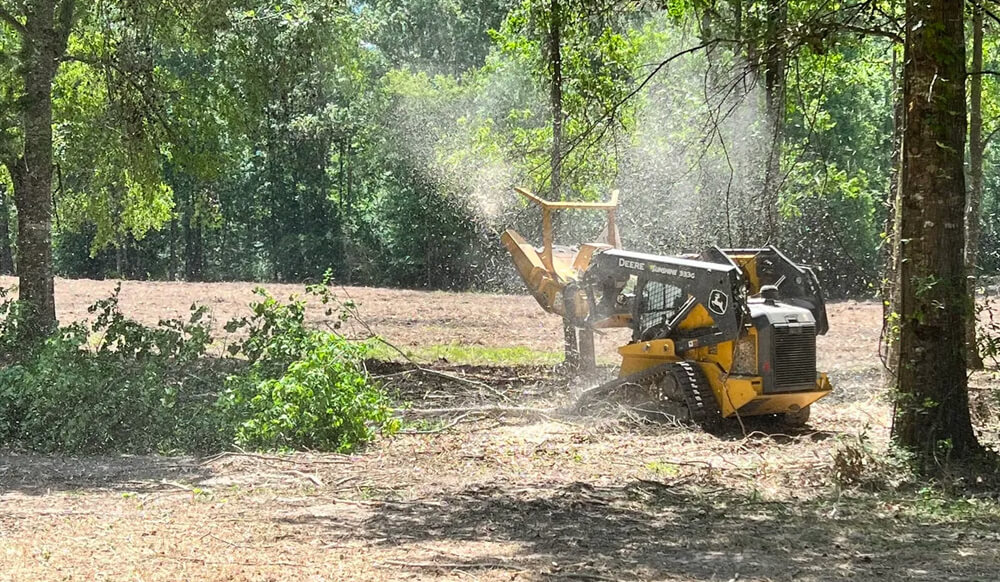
(932, 402)
(890, 291)
(119, 260)
(172, 268)
(43, 42)
(193, 255)
(347, 211)
(343, 210)
(555, 97)
(6, 256)
(975, 202)
(774, 94)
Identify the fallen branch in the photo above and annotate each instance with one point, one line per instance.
(356, 315)
(343, 481)
(314, 479)
(441, 374)
(358, 502)
(691, 463)
(376, 503)
(544, 412)
(579, 576)
(231, 544)
(47, 513)
(451, 424)
(205, 562)
(294, 461)
(450, 566)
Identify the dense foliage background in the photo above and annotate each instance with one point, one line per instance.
(258, 140)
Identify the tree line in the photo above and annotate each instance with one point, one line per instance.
(225, 140)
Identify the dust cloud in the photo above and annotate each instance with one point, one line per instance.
(454, 140)
(690, 173)
(694, 175)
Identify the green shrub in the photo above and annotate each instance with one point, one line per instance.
(324, 400)
(275, 331)
(305, 388)
(127, 394)
(11, 318)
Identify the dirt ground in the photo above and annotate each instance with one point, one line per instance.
(500, 496)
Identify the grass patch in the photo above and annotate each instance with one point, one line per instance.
(472, 355)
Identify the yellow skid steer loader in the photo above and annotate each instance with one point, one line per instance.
(727, 332)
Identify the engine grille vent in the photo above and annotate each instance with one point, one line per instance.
(794, 356)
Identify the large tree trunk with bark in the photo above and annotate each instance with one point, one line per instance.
(975, 202)
(36, 288)
(43, 42)
(932, 407)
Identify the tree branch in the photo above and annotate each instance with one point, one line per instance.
(991, 15)
(990, 136)
(13, 22)
(870, 32)
(609, 113)
(64, 24)
(146, 99)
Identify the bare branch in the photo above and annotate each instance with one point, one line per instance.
(610, 112)
(354, 313)
(992, 15)
(13, 22)
(870, 32)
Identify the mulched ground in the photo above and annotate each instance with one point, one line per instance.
(520, 495)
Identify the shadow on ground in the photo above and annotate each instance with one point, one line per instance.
(34, 474)
(650, 530)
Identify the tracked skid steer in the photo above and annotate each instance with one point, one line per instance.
(725, 333)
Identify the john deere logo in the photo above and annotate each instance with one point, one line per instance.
(718, 302)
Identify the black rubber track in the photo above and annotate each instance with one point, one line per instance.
(698, 396)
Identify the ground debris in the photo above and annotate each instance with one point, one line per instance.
(491, 489)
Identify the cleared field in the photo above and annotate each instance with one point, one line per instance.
(420, 320)
(498, 496)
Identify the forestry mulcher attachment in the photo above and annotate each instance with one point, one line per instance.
(729, 332)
